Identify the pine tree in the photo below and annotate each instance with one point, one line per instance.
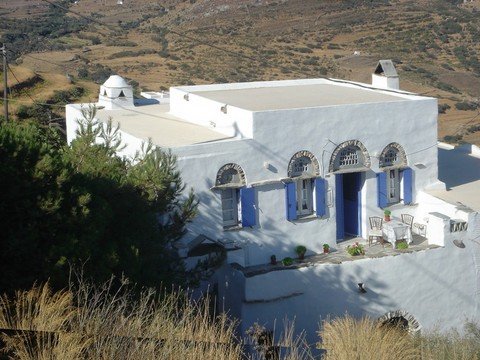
(84, 205)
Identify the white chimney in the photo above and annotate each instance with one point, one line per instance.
(116, 93)
(385, 76)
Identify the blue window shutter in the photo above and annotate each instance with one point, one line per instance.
(291, 201)
(320, 196)
(382, 189)
(407, 185)
(339, 206)
(247, 198)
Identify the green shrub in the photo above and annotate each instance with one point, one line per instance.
(287, 261)
(452, 138)
(447, 87)
(300, 249)
(304, 50)
(333, 46)
(356, 249)
(466, 105)
(402, 245)
(442, 108)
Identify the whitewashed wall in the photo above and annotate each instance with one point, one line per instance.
(425, 284)
(274, 137)
(277, 136)
(199, 110)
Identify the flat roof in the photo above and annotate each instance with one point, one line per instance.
(296, 95)
(154, 122)
(460, 171)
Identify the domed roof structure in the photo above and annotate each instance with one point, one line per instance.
(116, 93)
(116, 81)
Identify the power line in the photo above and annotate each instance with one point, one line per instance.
(18, 82)
(31, 98)
(5, 81)
(81, 15)
(35, 101)
(230, 52)
(262, 61)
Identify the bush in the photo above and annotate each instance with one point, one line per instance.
(442, 108)
(300, 249)
(402, 245)
(287, 261)
(347, 338)
(120, 42)
(452, 138)
(447, 87)
(466, 105)
(304, 50)
(356, 249)
(333, 46)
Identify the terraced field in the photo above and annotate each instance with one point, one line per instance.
(434, 44)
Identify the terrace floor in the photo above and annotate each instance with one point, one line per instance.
(340, 255)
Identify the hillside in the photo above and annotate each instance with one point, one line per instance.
(434, 44)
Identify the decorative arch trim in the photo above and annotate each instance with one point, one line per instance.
(315, 171)
(225, 176)
(413, 324)
(402, 156)
(350, 143)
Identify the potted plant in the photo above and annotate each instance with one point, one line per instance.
(273, 260)
(301, 250)
(387, 214)
(287, 261)
(326, 248)
(356, 249)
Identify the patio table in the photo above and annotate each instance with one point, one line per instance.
(396, 230)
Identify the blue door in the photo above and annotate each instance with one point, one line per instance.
(348, 196)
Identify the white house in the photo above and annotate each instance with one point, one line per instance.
(307, 162)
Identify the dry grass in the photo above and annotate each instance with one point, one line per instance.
(90, 322)
(347, 338)
(95, 323)
(453, 346)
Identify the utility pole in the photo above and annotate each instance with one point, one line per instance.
(5, 87)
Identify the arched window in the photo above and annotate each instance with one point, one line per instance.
(303, 168)
(230, 175)
(303, 163)
(350, 156)
(392, 160)
(403, 318)
(230, 178)
(393, 155)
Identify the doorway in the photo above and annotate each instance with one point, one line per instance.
(349, 204)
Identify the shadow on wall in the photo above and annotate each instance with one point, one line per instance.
(457, 168)
(327, 292)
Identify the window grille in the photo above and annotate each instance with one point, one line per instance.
(348, 157)
(391, 157)
(230, 176)
(301, 166)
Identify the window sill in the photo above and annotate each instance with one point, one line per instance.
(305, 218)
(232, 228)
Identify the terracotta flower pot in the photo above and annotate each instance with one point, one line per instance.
(273, 260)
